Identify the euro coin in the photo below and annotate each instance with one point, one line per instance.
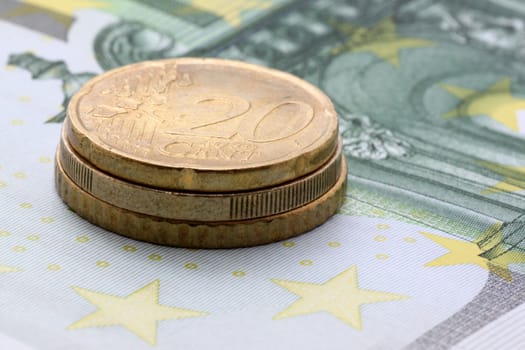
(231, 234)
(205, 125)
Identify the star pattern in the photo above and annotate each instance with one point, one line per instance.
(463, 252)
(389, 49)
(382, 40)
(139, 312)
(496, 101)
(339, 296)
(459, 252)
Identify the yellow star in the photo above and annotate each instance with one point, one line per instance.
(463, 252)
(383, 40)
(139, 312)
(388, 49)
(230, 10)
(496, 102)
(510, 183)
(339, 296)
(459, 252)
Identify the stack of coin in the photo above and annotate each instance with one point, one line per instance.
(201, 153)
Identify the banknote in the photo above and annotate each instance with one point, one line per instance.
(431, 103)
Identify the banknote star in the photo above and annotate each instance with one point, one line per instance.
(385, 42)
(459, 252)
(511, 182)
(496, 101)
(340, 296)
(230, 10)
(463, 252)
(139, 312)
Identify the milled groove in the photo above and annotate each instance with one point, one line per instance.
(286, 198)
(239, 206)
(80, 174)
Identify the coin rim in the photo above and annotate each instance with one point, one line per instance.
(233, 234)
(197, 177)
(199, 206)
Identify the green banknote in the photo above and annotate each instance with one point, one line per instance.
(430, 96)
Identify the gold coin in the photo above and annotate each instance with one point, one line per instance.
(200, 124)
(199, 206)
(200, 235)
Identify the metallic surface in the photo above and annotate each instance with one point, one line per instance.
(205, 125)
(200, 235)
(199, 206)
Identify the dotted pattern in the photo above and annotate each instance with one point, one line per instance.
(155, 257)
(103, 264)
(53, 267)
(193, 265)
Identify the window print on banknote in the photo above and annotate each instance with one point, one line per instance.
(431, 103)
